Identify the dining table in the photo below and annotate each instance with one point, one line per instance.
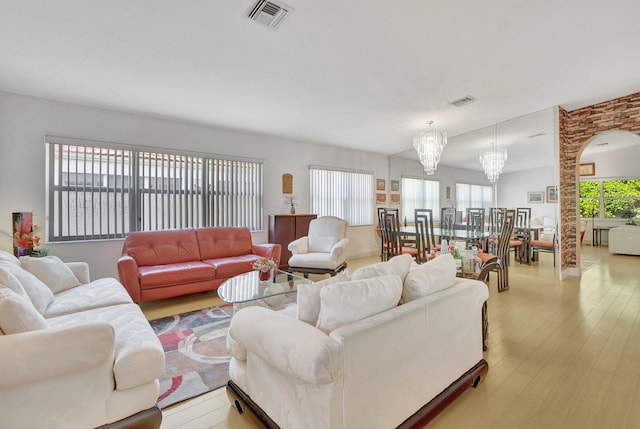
(459, 234)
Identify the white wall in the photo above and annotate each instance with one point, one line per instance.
(513, 188)
(24, 121)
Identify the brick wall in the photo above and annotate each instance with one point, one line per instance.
(576, 129)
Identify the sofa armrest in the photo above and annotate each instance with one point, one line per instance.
(269, 251)
(338, 249)
(128, 274)
(299, 246)
(35, 356)
(81, 271)
(293, 347)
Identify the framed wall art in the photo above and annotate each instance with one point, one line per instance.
(588, 169)
(380, 184)
(535, 197)
(552, 194)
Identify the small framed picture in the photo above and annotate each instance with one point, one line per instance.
(588, 169)
(536, 197)
(380, 184)
(395, 185)
(381, 198)
(395, 199)
(552, 194)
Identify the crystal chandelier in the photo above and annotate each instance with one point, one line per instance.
(492, 161)
(429, 145)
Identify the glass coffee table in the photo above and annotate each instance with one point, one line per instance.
(247, 289)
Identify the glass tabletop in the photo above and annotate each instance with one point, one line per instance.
(248, 287)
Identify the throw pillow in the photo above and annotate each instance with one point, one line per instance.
(347, 302)
(9, 280)
(398, 266)
(425, 279)
(8, 257)
(39, 294)
(17, 314)
(51, 271)
(309, 298)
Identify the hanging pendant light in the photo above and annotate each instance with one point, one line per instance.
(493, 160)
(429, 145)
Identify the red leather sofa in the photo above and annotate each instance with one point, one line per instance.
(163, 264)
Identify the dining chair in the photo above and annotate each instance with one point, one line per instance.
(447, 222)
(396, 244)
(502, 252)
(475, 226)
(426, 242)
(521, 241)
(380, 231)
(545, 246)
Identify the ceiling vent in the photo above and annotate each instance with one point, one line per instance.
(463, 101)
(269, 13)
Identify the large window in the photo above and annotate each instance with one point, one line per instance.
(613, 198)
(100, 191)
(472, 196)
(345, 194)
(420, 194)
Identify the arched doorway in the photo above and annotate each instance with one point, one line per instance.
(576, 129)
(608, 156)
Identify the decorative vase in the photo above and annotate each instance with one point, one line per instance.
(264, 275)
(292, 210)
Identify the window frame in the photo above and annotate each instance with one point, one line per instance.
(424, 202)
(132, 191)
(359, 214)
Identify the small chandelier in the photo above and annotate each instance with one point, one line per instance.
(429, 145)
(492, 161)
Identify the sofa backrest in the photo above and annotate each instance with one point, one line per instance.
(162, 247)
(221, 242)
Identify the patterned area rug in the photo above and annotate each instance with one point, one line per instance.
(195, 352)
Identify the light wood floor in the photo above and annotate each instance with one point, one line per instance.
(561, 354)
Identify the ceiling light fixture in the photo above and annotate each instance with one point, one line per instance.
(493, 160)
(429, 145)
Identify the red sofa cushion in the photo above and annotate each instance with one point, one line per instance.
(229, 267)
(162, 247)
(222, 242)
(175, 274)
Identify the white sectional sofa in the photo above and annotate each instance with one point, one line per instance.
(353, 357)
(625, 240)
(74, 353)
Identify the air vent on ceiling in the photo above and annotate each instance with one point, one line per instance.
(463, 101)
(269, 13)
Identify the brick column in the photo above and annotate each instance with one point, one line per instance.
(576, 129)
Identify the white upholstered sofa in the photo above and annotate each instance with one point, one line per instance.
(625, 240)
(353, 358)
(74, 353)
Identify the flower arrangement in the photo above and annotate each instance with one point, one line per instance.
(264, 265)
(290, 201)
(24, 237)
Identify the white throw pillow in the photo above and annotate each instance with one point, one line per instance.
(347, 302)
(396, 266)
(39, 294)
(425, 279)
(51, 271)
(309, 298)
(17, 314)
(9, 280)
(8, 257)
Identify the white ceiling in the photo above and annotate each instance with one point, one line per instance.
(358, 74)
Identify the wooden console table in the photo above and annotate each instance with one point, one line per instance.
(284, 228)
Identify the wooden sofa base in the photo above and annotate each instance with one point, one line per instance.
(424, 415)
(146, 419)
(306, 271)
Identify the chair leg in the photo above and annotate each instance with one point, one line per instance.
(503, 278)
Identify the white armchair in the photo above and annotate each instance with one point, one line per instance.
(323, 251)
